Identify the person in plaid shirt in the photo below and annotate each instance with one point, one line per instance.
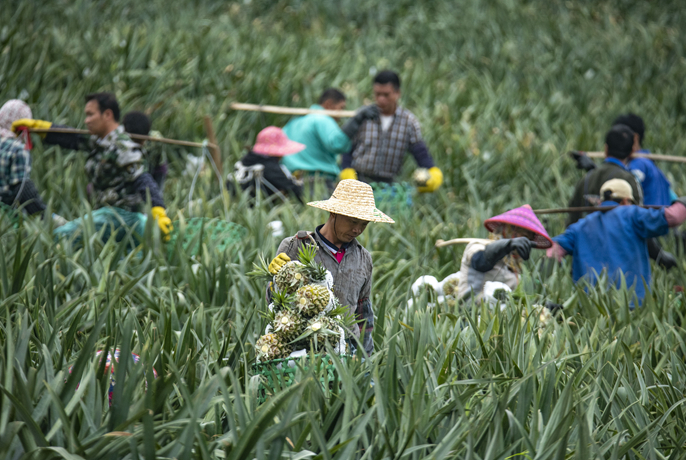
(16, 187)
(380, 146)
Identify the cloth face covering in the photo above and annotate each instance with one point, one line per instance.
(10, 112)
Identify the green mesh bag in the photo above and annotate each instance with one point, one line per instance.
(277, 374)
(115, 221)
(216, 234)
(9, 213)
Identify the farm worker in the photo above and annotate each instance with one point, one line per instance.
(262, 165)
(380, 145)
(16, 187)
(115, 163)
(351, 207)
(514, 233)
(616, 240)
(656, 188)
(324, 140)
(156, 159)
(620, 143)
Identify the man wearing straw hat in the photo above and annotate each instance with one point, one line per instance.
(616, 240)
(351, 207)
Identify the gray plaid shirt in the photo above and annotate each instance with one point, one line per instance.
(352, 278)
(380, 154)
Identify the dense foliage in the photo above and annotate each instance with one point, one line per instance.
(502, 89)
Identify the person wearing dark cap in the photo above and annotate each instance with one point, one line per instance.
(139, 123)
(616, 241)
(619, 142)
(656, 188)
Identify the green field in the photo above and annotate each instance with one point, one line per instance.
(502, 89)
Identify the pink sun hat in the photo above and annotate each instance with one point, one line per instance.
(272, 141)
(522, 217)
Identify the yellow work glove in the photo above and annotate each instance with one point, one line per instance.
(434, 182)
(31, 124)
(348, 173)
(164, 222)
(278, 262)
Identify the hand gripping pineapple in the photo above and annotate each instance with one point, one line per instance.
(351, 208)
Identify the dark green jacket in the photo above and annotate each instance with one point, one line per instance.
(590, 184)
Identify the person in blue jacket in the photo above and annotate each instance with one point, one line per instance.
(615, 241)
(656, 188)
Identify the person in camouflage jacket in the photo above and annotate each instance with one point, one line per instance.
(115, 164)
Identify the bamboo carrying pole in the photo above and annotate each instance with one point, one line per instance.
(290, 110)
(441, 243)
(652, 156)
(138, 137)
(586, 209)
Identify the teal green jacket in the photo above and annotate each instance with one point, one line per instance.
(324, 140)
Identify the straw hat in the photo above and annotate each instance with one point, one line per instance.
(353, 198)
(522, 217)
(272, 141)
(620, 189)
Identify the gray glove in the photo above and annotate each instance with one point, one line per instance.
(485, 260)
(582, 161)
(370, 112)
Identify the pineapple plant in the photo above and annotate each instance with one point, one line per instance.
(270, 346)
(287, 325)
(312, 299)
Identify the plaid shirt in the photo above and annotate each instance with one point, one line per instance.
(352, 278)
(380, 154)
(15, 163)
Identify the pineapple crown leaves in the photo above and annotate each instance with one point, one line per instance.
(314, 270)
(282, 299)
(261, 270)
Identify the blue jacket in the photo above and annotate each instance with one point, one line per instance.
(614, 240)
(656, 187)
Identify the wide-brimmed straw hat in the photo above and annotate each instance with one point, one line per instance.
(522, 217)
(272, 141)
(355, 199)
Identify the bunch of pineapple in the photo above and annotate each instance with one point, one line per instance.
(303, 310)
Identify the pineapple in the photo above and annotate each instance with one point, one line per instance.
(324, 329)
(297, 273)
(287, 325)
(450, 286)
(312, 299)
(269, 347)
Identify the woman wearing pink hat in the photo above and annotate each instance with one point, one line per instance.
(272, 144)
(514, 233)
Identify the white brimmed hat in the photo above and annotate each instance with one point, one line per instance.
(620, 189)
(355, 199)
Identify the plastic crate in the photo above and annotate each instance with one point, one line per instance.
(278, 374)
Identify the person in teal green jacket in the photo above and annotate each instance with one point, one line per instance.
(323, 138)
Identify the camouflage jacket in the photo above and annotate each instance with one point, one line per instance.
(352, 278)
(113, 165)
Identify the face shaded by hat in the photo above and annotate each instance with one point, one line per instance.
(524, 218)
(273, 142)
(617, 189)
(355, 199)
